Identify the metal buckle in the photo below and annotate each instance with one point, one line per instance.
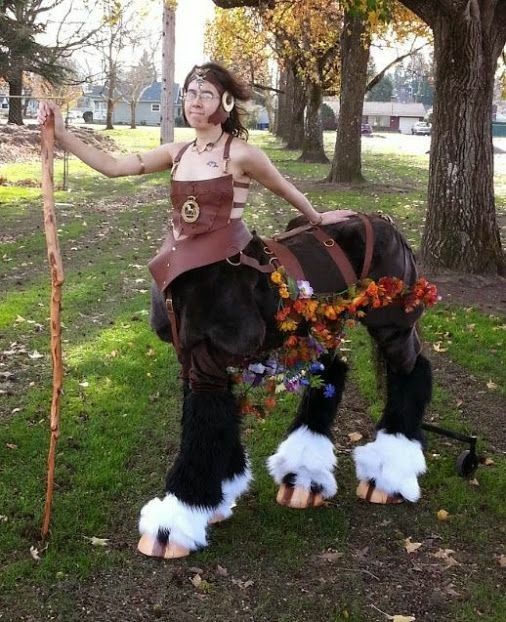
(268, 251)
(329, 242)
(169, 305)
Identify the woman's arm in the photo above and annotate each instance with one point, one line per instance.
(149, 162)
(258, 166)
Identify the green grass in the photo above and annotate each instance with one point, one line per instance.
(121, 402)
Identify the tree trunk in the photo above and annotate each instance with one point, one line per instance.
(355, 45)
(284, 104)
(133, 110)
(110, 98)
(15, 102)
(312, 148)
(168, 65)
(461, 230)
(298, 105)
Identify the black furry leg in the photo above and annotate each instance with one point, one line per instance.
(407, 398)
(316, 411)
(305, 460)
(209, 448)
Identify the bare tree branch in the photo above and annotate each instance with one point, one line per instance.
(378, 77)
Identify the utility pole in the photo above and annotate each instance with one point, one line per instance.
(168, 65)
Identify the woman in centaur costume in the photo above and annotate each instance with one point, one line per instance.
(213, 298)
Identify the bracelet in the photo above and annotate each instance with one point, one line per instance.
(142, 169)
(318, 222)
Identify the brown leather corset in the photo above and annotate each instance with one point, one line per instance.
(201, 206)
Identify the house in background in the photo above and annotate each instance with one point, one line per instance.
(386, 116)
(147, 111)
(148, 107)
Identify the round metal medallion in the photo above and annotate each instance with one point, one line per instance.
(190, 210)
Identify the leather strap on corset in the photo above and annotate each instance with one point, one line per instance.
(176, 257)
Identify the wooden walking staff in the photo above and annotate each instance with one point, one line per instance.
(56, 268)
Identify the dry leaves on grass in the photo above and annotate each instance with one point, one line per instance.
(446, 555)
(355, 437)
(94, 541)
(438, 347)
(411, 547)
(443, 515)
(396, 617)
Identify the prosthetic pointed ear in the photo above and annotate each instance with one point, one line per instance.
(227, 101)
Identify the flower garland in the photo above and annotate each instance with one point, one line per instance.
(314, 326)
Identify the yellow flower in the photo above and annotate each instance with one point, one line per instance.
(283, 291)
(277, 277)
(288, 325)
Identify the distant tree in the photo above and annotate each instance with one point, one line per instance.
(136, 79)
(329, 121)
(307, 40)
(382, 92)
(21, 23)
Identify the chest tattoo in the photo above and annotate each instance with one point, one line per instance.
(212, 164)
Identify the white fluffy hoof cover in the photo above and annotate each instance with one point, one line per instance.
(185, 525)
(232, 489)
(394, 463)
(310, 457)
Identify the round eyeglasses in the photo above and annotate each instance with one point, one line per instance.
(191, 95)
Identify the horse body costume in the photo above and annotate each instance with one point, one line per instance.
(224, 314)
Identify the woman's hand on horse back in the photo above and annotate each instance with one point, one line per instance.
(330, 218)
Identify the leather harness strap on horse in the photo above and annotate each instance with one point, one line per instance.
(280, 255)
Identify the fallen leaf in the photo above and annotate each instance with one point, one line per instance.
(491, 385)
(355, 437)
(443, 515)
(330, 556)
(447, 556)
(501, 560)
(196, 580)
(411, 547)
(34, 552)
(84, 384)
(195, 570)
(223, 572)
(474, 482)
(94, 541)
(398, 618)
(35, 355)
(488, 462)
(11, 445)
(438, 347)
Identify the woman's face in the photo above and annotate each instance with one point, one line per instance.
(201, 100)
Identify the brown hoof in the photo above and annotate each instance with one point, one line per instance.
(298, 498)
(368, 492)
(152, 547)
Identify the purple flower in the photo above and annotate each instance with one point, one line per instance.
(316, 367)
(329, 390)
(305, 289)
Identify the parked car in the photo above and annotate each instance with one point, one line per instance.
(366, 129)
(422, 128)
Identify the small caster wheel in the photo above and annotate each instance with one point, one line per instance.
(467, 463)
